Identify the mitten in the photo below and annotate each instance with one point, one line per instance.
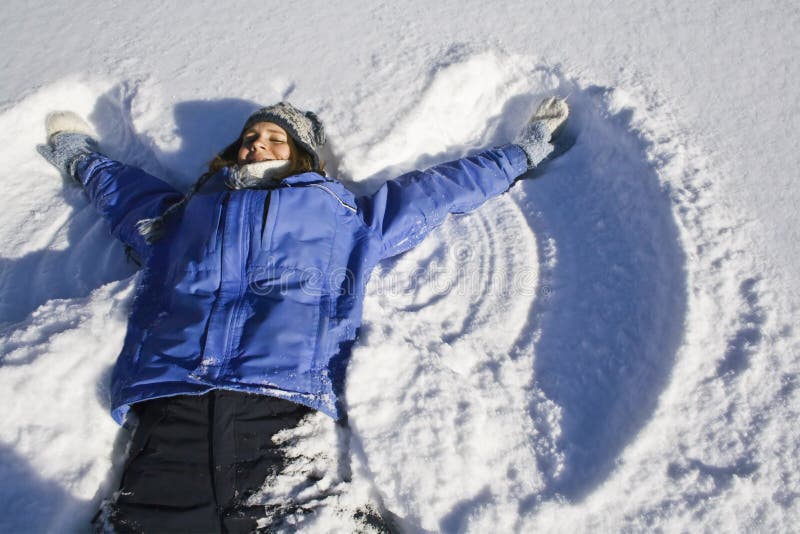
(69, 138)
(543, 126)
(553, 112)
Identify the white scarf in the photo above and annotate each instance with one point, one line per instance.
(258, 175)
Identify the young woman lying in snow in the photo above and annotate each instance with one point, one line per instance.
(250, 299)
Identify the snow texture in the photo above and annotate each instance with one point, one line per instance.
(610, 346)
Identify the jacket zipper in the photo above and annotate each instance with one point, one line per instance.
(242, 241)
(266, 212)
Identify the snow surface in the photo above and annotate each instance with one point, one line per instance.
(609, 346)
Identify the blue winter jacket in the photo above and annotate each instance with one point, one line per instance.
(261, 290)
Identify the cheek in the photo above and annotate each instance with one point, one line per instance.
(282, 151)
(242, 154)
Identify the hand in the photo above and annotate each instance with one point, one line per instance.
(543, 126)
(69, 138)
(553, 112)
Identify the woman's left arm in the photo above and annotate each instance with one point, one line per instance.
(404, 210)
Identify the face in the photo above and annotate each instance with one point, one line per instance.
(263, 141)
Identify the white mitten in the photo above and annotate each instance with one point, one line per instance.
(69, 138)
(66, 122)
(553, 112)
(541, 128)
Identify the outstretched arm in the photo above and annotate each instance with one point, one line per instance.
(404, 210)
(122, 194)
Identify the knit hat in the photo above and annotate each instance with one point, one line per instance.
(305, 128)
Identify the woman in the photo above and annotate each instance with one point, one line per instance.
(250, 298)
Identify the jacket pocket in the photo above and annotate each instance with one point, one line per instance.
(323, 327)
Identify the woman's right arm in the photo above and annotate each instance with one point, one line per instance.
(123, 195)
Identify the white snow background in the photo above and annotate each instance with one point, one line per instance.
(610, 346)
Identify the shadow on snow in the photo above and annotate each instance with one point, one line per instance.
(610, 312)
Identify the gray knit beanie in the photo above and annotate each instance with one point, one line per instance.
(304, 127)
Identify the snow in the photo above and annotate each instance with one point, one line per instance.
(609, 346)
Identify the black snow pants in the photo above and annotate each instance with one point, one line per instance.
(194, 461)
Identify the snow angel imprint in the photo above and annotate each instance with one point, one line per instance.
(249, 300)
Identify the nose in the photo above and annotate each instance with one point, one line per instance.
(260, 151)
(258, 145)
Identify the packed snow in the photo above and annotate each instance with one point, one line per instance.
(610, 346)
